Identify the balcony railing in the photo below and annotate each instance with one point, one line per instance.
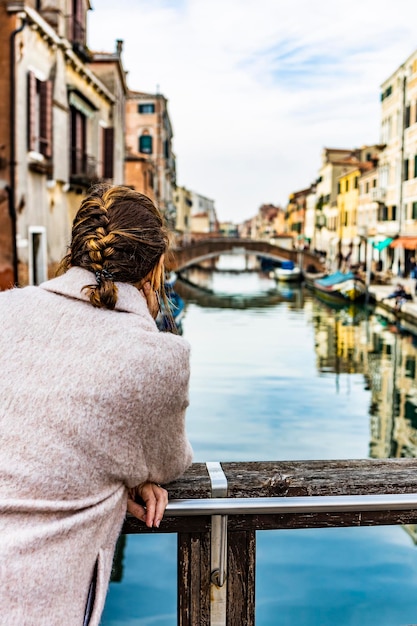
(378, 194)
(217, 509)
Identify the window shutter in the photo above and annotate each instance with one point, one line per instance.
(46, 118)
(31, 100)
(108, 153)
(145, 144)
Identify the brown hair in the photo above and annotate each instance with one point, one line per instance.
(119, 235)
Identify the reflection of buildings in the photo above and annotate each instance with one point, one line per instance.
(394, 399)
(337, 340)
(394, 395)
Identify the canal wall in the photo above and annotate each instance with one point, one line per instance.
(407, 311)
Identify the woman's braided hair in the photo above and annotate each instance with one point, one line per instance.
(119, 235)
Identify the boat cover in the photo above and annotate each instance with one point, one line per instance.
(287, 265)
(336, 278)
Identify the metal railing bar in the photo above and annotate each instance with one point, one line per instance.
(297, 504)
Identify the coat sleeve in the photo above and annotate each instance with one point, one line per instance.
(161, 429)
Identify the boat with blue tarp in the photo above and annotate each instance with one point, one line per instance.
(287, 271)
(348, 287)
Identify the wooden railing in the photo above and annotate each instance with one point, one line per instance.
(302, 494)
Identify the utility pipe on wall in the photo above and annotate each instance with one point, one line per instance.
(12, 187)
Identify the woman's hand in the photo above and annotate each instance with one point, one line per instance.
(155, 498)
(151, 299)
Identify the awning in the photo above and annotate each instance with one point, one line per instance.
(380, 245)
(407, 243)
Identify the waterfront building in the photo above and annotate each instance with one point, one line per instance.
(58, 123)
(203, 214)
(310, 230)
(150, 161)
(332, 165)
(109, 68)
(228, 229)
(183, 201)
(269, 223)
(397, 189)
(295, 213)
(300, 216)
(352, 241)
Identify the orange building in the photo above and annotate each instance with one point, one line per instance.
(150, 161)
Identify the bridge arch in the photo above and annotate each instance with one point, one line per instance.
(208, 248)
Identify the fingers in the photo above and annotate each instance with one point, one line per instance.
(155, 499)
(136, 510)
(151, 299)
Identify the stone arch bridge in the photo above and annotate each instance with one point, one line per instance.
(194, 253)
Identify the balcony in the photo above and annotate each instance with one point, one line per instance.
(320, 221)
(378, 194)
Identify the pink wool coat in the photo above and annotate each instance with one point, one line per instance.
(92, 402)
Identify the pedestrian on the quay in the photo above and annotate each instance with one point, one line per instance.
(92, 412)
(400, 295)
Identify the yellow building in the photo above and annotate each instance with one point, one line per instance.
(183, 201)
(347, 209)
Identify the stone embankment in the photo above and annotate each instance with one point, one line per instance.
(407, 310)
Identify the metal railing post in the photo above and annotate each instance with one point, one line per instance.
(218, 594)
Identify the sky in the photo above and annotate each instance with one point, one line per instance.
(257, 88)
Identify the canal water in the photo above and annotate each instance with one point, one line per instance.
(277, 375)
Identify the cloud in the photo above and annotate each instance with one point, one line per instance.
(257, 89)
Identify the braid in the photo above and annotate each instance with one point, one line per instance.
(119, 235)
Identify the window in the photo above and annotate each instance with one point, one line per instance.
(406, 169)
(145, 144)
(78, 142)
(108, 152)
(347, 186)
(366, 187)
(374, 183)
(414, 211)
(386, 93)
(39, 115)
(356, 182)
(338, 187)
(393, 213)
(415, 166)
(83, 116)
(407, 116)
(146, 108)
(38, 271)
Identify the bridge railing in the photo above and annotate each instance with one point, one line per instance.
(205, 248)
(216, 509)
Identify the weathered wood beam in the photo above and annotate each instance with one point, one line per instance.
(295, 478)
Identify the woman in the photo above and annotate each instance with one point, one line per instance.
(93, 410)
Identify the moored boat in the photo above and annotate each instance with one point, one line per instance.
(347, 287)
(309, 277)
(287, 272)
